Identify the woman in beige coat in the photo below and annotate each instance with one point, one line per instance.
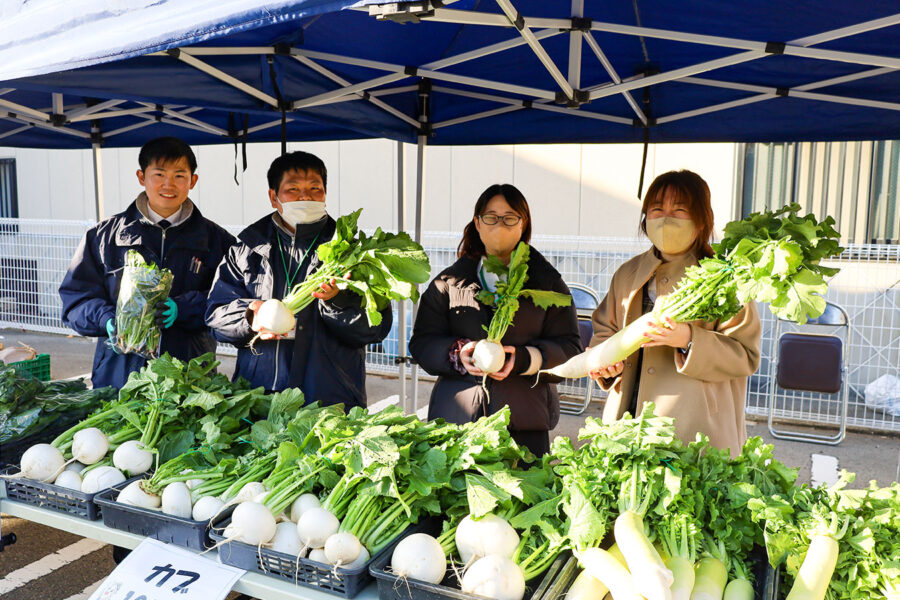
(696, 372)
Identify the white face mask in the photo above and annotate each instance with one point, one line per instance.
(671, 235)
(302, 211)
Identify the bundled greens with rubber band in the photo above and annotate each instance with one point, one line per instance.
(771, 257)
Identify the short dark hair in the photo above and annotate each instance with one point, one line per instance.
(162, 150)
(295, 161)
(471, 244)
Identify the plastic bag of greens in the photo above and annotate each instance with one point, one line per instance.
(144, 285)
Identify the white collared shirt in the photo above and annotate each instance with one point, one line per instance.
(174, 219)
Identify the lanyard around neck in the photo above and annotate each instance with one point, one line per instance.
(284, 262)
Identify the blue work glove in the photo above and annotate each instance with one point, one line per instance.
(111, 333)
(166, 313)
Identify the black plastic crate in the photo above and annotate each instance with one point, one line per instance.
(187, 533)
(52, 497)
(390, 587)
(340, 582)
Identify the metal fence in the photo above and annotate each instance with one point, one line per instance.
(34, 255)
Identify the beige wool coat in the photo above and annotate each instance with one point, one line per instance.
(706, 390)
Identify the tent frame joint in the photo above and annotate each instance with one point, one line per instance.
(58, 119)
(174, 52)
(282, 49)
(782, 92)
(578, 98)
(651, 122)
(581, 24)
(775, 47)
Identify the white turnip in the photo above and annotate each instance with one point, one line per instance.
(206, 508)
(286, 540)
(134, 494)
(342, 548)
(275, 317)
(496, 577)
(303, 504)
(360, 561)
(97, 480)
(488, 356)
(421, 557)
(318, 555)
(315, 526)
(490, 534)
(69, 479)
(42, 462)
(132, 458)
(252, 523)
(176, 500)
(89, 446)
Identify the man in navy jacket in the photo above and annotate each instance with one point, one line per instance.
(167, 229)
(325, 354)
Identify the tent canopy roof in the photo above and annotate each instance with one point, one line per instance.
(471, 72)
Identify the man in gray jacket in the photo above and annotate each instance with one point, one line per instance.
(325, 354)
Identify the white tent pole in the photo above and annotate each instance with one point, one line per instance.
(87, 110)
(575, 44)
(420, 190)
(58, 106)
(601, 56)
(222, 76)
(24, 111)
(517, 21)
(482, 115)
(96, 156)
(402, 350)
(13, 132)
(109, 115)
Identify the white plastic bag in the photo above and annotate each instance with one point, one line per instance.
(884, 394)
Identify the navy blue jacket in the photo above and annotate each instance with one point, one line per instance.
(191, 250)
(326, 359)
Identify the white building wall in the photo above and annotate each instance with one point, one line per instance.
(573, 189)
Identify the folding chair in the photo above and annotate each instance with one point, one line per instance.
(813, 362)
(586, 300)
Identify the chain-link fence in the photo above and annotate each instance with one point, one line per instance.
(34, 255)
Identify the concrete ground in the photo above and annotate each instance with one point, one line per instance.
(49, 564)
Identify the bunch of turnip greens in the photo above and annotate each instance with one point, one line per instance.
(143, 286)
(379, 268)
(769, 257)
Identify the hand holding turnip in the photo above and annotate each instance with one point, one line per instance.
(500, 375)
(609, 372)
(262, 332)
(669, 333)
(465, 359)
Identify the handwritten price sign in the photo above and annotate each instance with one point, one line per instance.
(158, 571)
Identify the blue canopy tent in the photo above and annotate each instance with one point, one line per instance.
(77, 74)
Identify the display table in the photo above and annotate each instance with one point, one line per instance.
(252, 584)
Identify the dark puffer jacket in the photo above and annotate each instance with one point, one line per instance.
(326, 359)
(191, 250)
(449, 311)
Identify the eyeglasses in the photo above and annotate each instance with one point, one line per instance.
(508, 220)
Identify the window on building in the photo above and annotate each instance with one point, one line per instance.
(9, 200)
(855, 182)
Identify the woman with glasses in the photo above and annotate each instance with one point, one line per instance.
(450, 320)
